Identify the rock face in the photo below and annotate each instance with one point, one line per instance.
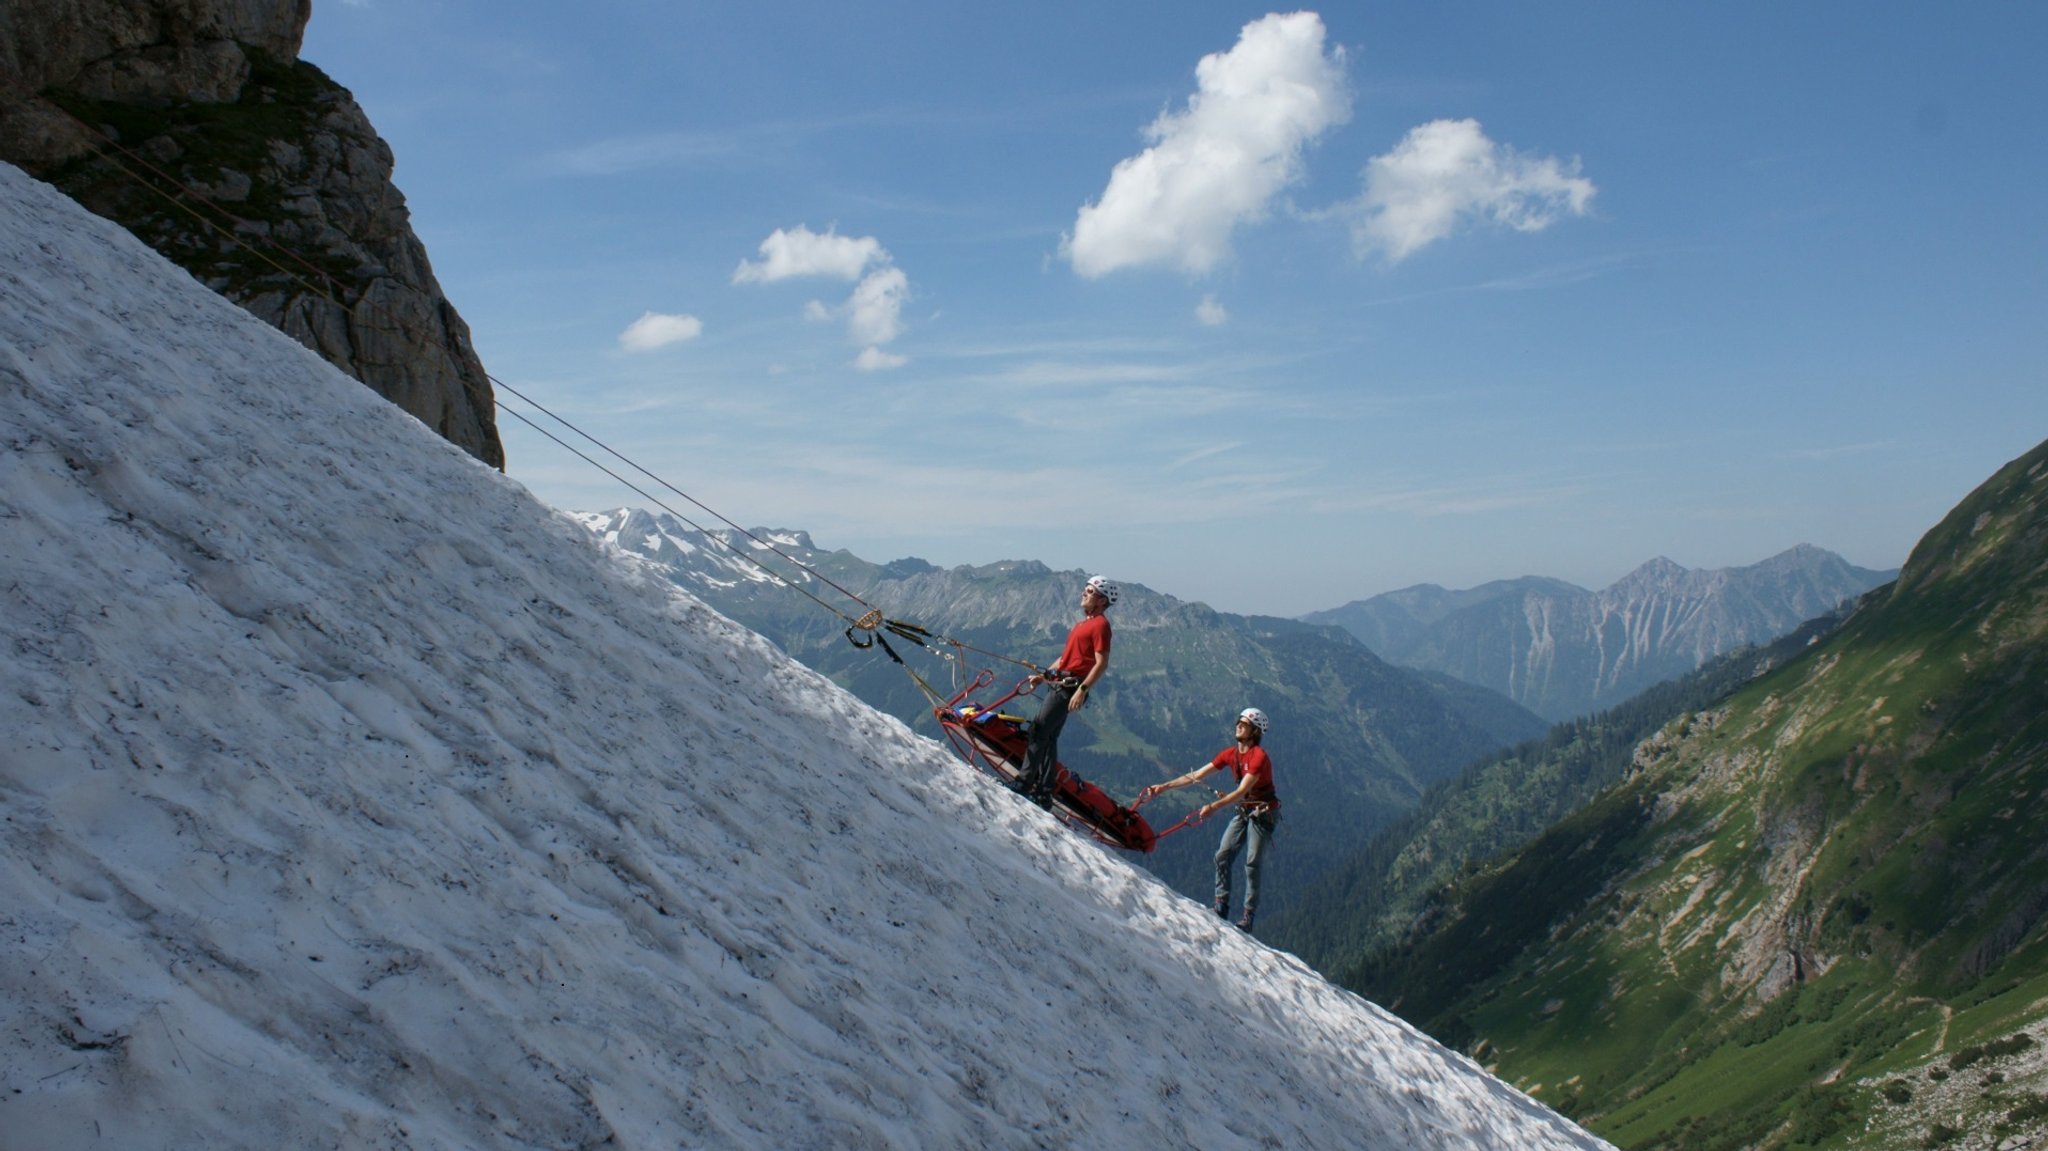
(193, 123)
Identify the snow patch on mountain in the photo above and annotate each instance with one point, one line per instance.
(353, 798)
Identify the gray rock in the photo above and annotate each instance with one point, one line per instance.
(298, 219)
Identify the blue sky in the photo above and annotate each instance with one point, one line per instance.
(1274, 310)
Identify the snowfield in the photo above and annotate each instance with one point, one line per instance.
(353, 798)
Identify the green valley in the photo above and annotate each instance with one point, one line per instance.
(1805, 907)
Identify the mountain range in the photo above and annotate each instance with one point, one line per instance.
(1355, 740)
(1813, 913)
(1562, 651)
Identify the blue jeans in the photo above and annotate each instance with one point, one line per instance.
(1041, 774)
(1260, 827)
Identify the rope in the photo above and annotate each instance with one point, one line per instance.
(616, 454)
(869, 621)
(1194, 818)
(184, 199)
(656, 500)
(181, 202)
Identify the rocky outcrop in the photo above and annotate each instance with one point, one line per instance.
(193, 123)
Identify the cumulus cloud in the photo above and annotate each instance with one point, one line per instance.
(873, 359)
(1446, 173)
(788, 254)
(655, 330)
(1211, 313)
(1222, 160)
(873, 313)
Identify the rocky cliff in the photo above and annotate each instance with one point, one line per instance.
(193, 123)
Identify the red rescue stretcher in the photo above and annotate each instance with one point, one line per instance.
(996, 743)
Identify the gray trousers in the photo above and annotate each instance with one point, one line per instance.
(1041, 774)
(1260, 829)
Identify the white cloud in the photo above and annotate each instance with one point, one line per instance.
(1446, 172)
(655, 330)
(874, 314)
(873, 359)
(1211, 313)
(787, 254)
(1220, 162)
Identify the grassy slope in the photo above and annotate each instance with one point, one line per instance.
(1495, 806)
(1835, 874)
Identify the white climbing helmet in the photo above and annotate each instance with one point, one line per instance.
(1102, 587)
(1255, 717)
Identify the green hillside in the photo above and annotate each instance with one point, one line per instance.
(1812, 915)
(1373, 898)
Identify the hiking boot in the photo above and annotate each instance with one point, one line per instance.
(1223, 908)
(1245, 924)
(1025, 792)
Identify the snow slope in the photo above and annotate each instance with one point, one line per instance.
(353, 798)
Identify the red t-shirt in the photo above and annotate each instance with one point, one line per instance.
(1255, 764)
(1089, 636)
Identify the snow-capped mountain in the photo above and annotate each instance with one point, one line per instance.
(352, 798)
(754, 557)
(1563, 651)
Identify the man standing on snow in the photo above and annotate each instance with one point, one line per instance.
(1258, 809)
(1081, 663)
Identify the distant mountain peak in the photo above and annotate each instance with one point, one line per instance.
(908, 566)
(1563, 651)
(1662, 569)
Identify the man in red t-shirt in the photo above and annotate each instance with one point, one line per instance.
(1258, 809)
(1081, 663)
